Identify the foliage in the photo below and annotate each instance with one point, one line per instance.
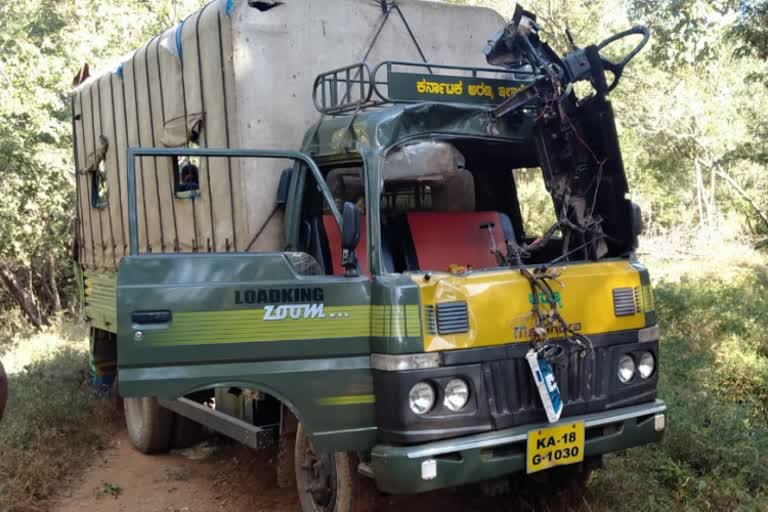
(713, 378)
(52, 425)
(42, 46)
(690, 108)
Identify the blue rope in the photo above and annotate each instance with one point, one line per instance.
(178, 37)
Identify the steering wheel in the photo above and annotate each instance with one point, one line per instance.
(617, 68)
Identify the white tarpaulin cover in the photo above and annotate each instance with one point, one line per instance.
(231, 75)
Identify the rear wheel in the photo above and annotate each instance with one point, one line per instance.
(149, 426)
(329, 482)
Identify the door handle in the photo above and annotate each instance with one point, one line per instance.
(151, 317)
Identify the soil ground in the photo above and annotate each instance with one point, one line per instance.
(219, 475)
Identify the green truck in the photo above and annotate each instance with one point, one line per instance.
(368, 303)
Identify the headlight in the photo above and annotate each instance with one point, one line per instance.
(456, 394)
(626, 368)
(421, 398)
(647, 365)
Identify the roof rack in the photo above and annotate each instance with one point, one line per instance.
(358, 86)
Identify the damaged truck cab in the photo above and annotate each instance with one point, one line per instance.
(455, 298)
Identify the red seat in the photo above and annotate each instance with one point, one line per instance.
(455, 238)
(334, 244)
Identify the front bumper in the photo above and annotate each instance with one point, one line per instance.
(398, 469)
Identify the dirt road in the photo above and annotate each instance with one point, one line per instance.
(202, 479)
(217, 476)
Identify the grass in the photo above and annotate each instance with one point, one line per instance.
(714, 377)
(52, 426)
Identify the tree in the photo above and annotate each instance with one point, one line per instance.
(42, 45)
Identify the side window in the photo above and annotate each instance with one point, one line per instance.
(186, 175)
(99, 187)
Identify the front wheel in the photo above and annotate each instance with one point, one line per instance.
(329, 482)
(149, 426)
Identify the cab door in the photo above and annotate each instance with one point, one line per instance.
(192, 321)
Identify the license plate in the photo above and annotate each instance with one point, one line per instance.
(555, 446)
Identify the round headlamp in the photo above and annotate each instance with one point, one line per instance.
(626, 369)
(647, 365)
(456, 394)
(421, 398)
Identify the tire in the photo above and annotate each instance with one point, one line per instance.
(3, 390)
(286, 455)
(149, 425)
(337, 485)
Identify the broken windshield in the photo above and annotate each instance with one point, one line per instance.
(475, 204)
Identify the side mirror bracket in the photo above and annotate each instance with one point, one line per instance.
(283, 187)
(637, 223)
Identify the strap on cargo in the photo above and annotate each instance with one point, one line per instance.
(179, 28)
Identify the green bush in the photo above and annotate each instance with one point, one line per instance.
(714, 378)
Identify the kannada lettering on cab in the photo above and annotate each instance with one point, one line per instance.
(508, 92)
(452, 89)
(481, 89)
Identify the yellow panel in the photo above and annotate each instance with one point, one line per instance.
(500, 303)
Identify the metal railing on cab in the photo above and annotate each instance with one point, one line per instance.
(359, 86)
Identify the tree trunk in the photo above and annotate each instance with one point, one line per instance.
(21, 296)
(712, 200)
(699, 188)
(52, 283)
(763, 216)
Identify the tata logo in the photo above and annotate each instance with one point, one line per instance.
(293, 311)
(544, 299)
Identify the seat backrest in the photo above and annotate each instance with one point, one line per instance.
(334, 244)
(442, 239)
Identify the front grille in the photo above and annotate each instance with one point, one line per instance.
(583, 387)
(626, 301)
(452, 318)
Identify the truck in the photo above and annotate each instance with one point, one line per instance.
(300, 225)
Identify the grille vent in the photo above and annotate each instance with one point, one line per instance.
(430, 319)
(452, 318)
(626, 301)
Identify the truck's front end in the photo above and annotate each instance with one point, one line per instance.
(512, 328)
(456, 397)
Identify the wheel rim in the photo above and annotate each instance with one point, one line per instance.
(319, 478)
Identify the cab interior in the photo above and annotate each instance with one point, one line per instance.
(444, 207)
